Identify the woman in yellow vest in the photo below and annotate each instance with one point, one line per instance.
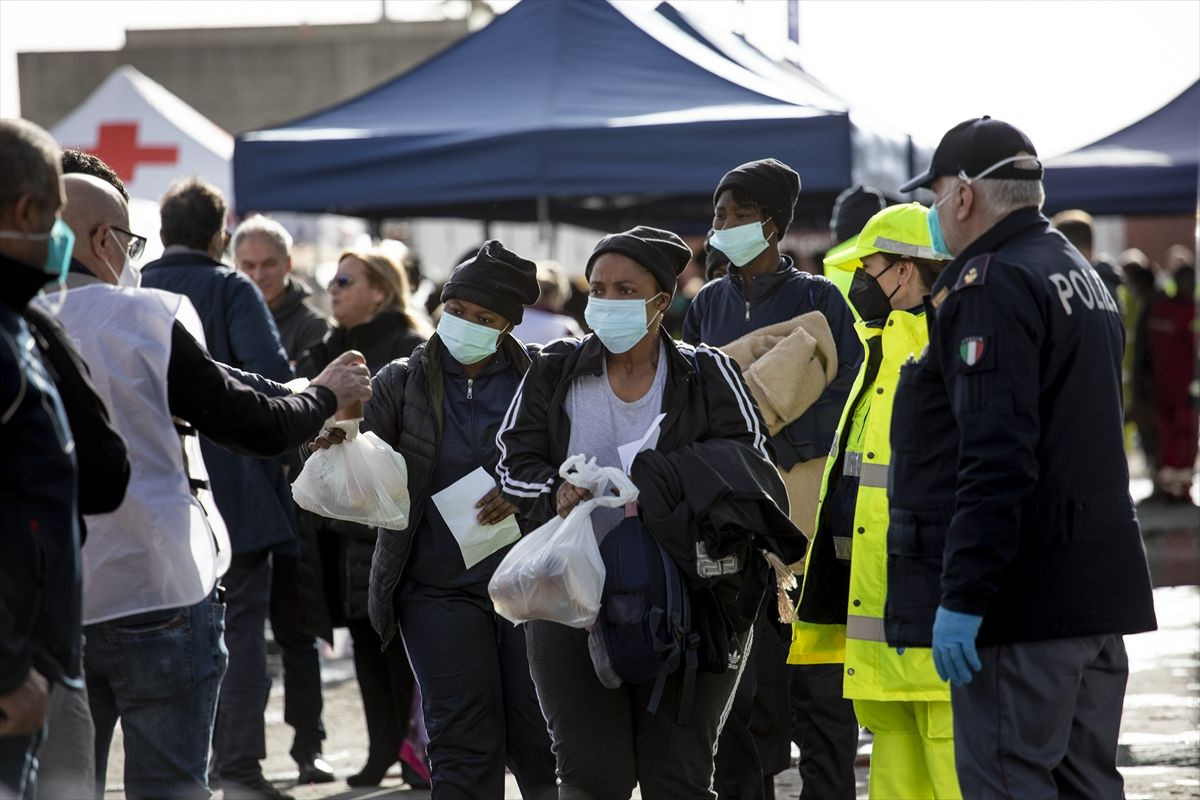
(900, 698)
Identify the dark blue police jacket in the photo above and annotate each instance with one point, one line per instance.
(724, 311)
(1009, 488)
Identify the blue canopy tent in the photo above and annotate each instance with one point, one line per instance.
(572, 111)
(1149, 167)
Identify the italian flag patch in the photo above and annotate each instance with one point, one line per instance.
(971, 349)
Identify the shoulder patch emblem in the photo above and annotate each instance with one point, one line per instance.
(974, 272)
(971, 349)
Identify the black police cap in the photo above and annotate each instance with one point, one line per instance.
(971, 147)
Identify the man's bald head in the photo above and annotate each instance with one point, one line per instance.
(94, 209)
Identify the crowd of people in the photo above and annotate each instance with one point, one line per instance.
(896, 495)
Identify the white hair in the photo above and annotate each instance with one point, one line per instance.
(1003, 196)
(258, 225)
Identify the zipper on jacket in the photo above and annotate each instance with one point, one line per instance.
(747, 310)
(470, 388)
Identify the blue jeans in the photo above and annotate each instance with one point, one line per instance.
(159, 673)
(19, 764)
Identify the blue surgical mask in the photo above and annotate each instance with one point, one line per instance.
(937, 238)
(58, 252)
(620, 324)
(741, 244)
(468, 342)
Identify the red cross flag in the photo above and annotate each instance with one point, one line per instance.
(150, 138)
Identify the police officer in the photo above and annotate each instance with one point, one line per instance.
(1011, 528)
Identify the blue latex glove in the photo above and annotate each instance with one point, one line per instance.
(954, 653)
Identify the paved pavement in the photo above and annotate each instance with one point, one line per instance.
(1160, 733)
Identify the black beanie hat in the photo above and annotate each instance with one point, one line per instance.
(853, 209)
(772, 183)
(497, 279)
(661, 252)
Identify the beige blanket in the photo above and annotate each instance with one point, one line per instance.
(787, 366)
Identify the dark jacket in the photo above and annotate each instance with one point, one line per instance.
(252, 494)
(704, 399)
(40, 591)
(100, 450)
(385, 338)
(1009, 476)
(724, 496)
(335, 556)
(724, 311)
(300, 325)
(421, 406)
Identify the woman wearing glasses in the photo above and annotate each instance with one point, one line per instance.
(370, 299)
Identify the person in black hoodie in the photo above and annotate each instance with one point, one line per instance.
(370, 306)
(440, 409)
(589, 397)
(752, 210)
(40, 590)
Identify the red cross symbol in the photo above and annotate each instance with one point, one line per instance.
(116, 144)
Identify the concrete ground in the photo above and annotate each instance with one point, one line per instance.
(1160, 733)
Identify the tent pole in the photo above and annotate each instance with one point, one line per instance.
(487, 229)
(543, 216)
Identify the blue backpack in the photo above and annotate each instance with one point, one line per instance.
(644, 631)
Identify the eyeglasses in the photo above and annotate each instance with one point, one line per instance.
(341, 281)
(137, 244)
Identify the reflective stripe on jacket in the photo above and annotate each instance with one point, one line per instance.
(837, 627)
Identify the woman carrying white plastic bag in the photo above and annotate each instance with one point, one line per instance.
(628, 387)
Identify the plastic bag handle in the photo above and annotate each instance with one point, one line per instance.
(583, 472)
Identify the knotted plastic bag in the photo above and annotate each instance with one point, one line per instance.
(361, 480)
(556, 573)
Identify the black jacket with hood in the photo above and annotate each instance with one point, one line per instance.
(40, 588)
(705, 399)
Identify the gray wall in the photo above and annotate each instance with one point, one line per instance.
(240, 78)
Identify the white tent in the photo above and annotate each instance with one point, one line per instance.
(150, 138)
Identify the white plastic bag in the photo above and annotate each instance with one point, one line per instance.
(555, 573)
(361, 480)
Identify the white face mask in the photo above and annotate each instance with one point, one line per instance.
(742, 244)
(130, 275)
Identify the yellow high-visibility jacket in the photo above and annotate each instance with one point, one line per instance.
(873, 671)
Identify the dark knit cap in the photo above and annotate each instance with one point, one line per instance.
(713, 259)
(853, 209)
(772, 183)
(497, 279)
(661, 252)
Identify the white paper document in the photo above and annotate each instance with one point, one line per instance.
(456, 504)
(628, 452)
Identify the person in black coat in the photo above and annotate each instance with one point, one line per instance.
(589, 397)
(1013, 545)
(440, 409)
(369, 297)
